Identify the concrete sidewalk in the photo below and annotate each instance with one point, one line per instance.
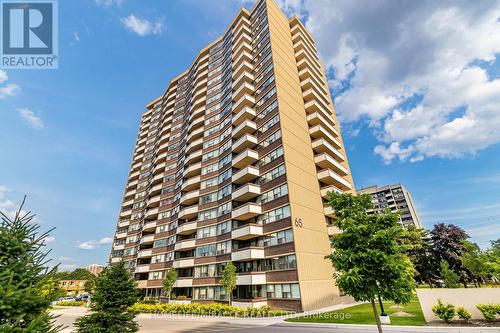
(391, 328)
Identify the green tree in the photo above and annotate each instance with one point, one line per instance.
(228, 280)
(168, 282)
(27, 285)
(418, 247)
(115, 292)
(81, 274)
(90, 284)
(450, 278)
(473, 261)
(491, 260)
(368, 253)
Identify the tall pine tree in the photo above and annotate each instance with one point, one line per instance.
(114, 293)
(27, 285)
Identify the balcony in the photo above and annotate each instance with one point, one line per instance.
(118, 247)
(151, 213)
(326, 189)
(251, 279)
(147, 239)
(187, 228)
(247, 113)
(188, 212)
(192, 170)
(245, 127)
(141, 269)
(126, 213)
(246, 141)
(327, 122)
(195, 145)
(149, 226)
(319, 131)
(325, 161)
(333, 230)
(244, 77)
(245, 88)
(185, 245)
(246, 211)
(244, 66)
(183, 283)
(115, 260)
(182, 263)
(121, 235)
(246, 192)
(247, 231)
(245, 101)
(245, 175)
(123, 223)
(322, 146)
(248, 253)
(197, 133)
(331, 178)
(190, 198)
(192, 183)
(144, 253)
(245, 158)
(153, 202)
(193, 157)
(328, 211)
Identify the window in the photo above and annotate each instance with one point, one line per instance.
(224, 209)
(273, 174)
(206, 251)
(275, 193)
(279, 237)
(206, 198)
(225, 175)
(223, 227)
(224, 247)
(271, 156)
(160, 242)
(270, 123)
(270, 139)
(158, 258)
(286, 290)
(207, 232)
(208, 183)
(155, 275)
(209, 168)
(224, 192)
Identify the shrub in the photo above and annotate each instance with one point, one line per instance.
(71, 303)
(462, 313)
(214, 309)
(489, 311)
(148, 301)
(444, 312)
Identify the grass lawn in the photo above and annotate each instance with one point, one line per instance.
(363, 314)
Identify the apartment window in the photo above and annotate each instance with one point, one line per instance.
(211, 131)
(224, 209)
(210, 143)
(224, 192)
(225, 160)
(133, 227)
(279, 237)
(273, 174)
(155, 275)
(208, 183)
(270, 139)
(207, 214)
(275, 193)
(165, 214)
(168, 178)
(285, 290)
(271, 156)
(209, 168)
(206, 251)
(161, 228)
(223, 227)
(206, 198)
(131, 239)
(137, 216)
(224, 247)
(270, 123)
(158, 258)
(129, 252)
(225, 175)
(206, 232)
(160, 243)
(210, 155)
(274, 215)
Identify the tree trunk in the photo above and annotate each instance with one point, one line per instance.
(377, 319)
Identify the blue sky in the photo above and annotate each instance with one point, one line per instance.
(67, 135)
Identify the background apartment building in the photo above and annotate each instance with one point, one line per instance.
(396, 198)
(233, 163)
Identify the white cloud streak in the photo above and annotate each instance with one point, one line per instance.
(143, 27)
(31, 118)
(93, 244)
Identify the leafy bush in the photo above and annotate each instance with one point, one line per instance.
(147, 301)
(462, 313)
(445, 312)
(214, 309)
(71, 303)
(489, 311)
(181, 297)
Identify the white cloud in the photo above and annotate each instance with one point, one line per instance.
(76, 36)
(6, 206)
(49, 239)
(3, 76)
(93, 244)
(31, 118)
(143, 27)
(9, 90)
(386, 53)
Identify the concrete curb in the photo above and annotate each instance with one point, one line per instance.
(423, 329)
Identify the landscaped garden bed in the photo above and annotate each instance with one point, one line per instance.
(207, 309)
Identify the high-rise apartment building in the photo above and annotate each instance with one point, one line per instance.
(233, 163)
(95, 268)
(395, 198)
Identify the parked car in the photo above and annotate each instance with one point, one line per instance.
(83, 297)
(64, 299)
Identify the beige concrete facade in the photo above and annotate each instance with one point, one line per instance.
(233, 163)
(466, 297)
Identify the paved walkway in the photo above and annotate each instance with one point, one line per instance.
(151, 323)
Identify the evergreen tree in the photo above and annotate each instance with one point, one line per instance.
(115, 292)
(419, 248)
(27, 285)
(450, 278)
(368, 253)
(228, 280)
(168, 282)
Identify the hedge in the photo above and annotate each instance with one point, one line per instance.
(489, 311)
(214, 309)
